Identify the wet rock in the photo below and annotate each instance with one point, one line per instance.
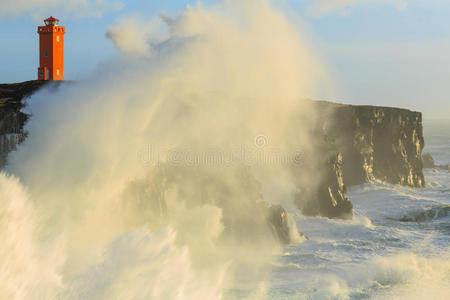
(327, 198)
(12, 120)
(355, 145)
(320, 178)
(278, 218)
(428, 161)
(232, 191)
(377, 143)
(13, 98)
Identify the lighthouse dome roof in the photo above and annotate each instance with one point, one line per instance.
(51, 19)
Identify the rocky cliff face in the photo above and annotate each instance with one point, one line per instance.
(365, 143)
(320, 179)
(377, 143)
(245, 215)
(12, 120)
(328, 197)
(267, 218)
(353, 145)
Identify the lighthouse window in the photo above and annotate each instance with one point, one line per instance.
(57, 72)
(45, 53)
(57, 38)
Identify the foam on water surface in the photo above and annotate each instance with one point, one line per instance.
(396, 247)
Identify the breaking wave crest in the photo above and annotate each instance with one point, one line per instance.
(435, 212)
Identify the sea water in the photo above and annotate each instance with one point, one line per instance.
(396, 247)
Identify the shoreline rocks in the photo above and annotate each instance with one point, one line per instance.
(428, 161)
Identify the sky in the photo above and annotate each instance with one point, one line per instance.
(377, 52)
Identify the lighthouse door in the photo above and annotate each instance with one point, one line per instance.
(47, 74)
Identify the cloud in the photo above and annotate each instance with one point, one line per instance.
(320, 8)
(42, 8)
(131, 35)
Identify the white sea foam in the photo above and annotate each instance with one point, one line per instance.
(411, 276)
(28, 268)
(377, 255)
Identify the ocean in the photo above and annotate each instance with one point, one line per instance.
(396, 247)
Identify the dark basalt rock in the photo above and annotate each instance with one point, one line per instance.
(12, 95)
(278, 218)
(377, 143)
(328, 198)
(428, 161)
(12, 120)
(320, 179)
(356, 145)
(246, 216)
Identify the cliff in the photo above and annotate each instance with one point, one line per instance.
(353, 145)
(12, 119)
(378, 143)
(266, 217)
(244, 212)
(320, 178)
(365, 143)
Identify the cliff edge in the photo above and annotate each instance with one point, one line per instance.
(356, 144)
(363, 144)
(377, 143)
(12, 119)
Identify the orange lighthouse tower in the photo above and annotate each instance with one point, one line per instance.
(51, 50)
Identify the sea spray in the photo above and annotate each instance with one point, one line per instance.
(138, 229)
(28, 266)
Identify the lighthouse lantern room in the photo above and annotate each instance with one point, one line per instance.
(51, 50)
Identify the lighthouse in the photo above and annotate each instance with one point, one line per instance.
(51, 50)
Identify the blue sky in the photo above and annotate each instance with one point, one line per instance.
(381, 52)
